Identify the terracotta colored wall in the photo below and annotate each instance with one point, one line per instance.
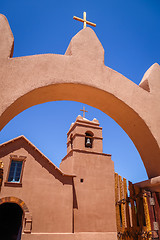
(75, 236)
(94, 206)
(47, 193)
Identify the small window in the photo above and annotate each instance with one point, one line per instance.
(15, 171)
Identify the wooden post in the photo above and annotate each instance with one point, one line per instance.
(147, 216)
(116, 202)
(157, 213)
(126, 206)
(139, 204)
(134, 217)
(150, 202)
(122, 204)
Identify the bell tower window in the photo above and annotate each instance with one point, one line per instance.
(71, 141)
(88, 140)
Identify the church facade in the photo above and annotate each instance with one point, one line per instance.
(41, 201)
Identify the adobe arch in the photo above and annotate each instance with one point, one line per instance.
(27, 216)
(80, 75)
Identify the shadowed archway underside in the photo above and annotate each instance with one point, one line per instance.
(80, 75)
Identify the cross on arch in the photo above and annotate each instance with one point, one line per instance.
(84, 20)
(84, 111)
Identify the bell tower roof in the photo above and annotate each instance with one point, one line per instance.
(81, 119)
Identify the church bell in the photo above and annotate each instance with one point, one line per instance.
(88, 142)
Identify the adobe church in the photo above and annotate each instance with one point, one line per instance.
(76, 201)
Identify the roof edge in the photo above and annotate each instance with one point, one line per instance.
(36, 149)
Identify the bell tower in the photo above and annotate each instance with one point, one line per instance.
(93, 184)
(85, 135)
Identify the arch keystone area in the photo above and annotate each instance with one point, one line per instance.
(85, 45)
(80, 75)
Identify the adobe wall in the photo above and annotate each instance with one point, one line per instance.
(71, 236)
(94, 196)
(80, 75)
(47, 194)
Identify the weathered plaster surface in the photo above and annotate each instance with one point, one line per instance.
(80, 75)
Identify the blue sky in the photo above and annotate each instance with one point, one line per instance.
(130, 34)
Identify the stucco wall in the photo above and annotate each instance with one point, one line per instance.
(47, 194)
(94, 198)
